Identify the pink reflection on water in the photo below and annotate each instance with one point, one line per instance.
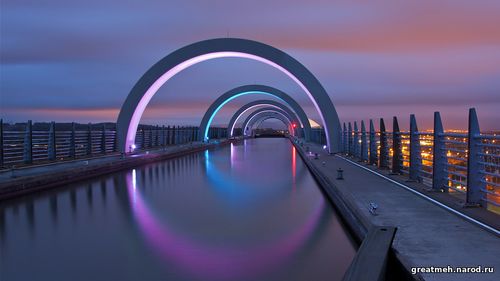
(216, 262)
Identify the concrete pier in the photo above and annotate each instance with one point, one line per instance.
(428, 235)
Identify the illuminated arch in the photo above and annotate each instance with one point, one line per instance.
(147, 86)
(271, 115)
(251, 89)
(302, 117)
(258, 122)
(276, 113)
(265, 112)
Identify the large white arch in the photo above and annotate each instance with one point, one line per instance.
(147, 86)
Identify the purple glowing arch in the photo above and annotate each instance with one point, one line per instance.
(147, 86)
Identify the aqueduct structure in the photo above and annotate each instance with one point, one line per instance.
(147, 86)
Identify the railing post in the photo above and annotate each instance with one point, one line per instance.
(143, 138)
(103, 139)
(115, 141)
(439, 173)
(152, 136)
(172, 135)
(349, 138)
(396, 147)
(373, 145)
(415, 156)
(355, 140)
(51, 145)
(474, 176)
(150, 141)
(344, 139)
(384, 151)
(1, 143)
(167, 142)
(89, 139)
(157, 135)
(162, 135)
(364, 144)
(28, 144)
(176, 135)
(72, 141)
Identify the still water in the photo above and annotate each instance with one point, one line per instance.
(248, 211)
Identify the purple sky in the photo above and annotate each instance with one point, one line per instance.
(77, 60)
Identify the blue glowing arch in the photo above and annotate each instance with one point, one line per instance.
(252, 89)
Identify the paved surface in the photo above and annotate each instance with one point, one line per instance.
(427, 234)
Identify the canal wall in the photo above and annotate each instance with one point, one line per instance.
(428, 235)
(398, 267)
(16, 182)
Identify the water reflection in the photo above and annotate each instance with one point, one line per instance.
(250, 211)
(217, 262)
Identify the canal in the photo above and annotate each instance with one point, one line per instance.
(246, 211)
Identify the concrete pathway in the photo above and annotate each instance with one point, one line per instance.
(427, 234)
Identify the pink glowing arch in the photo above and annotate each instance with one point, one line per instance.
(162, 71)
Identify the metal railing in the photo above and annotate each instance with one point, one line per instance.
(318, 136)
(465, 164)
(27, 143)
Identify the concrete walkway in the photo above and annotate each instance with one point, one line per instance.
(427, 234)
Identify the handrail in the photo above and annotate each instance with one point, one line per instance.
(472, 157)
(370, 262)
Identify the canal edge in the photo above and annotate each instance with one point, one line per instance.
(37, 183)
(357, 224)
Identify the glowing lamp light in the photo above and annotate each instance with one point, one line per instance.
(132, 147)
(294, 125)
(324, 146)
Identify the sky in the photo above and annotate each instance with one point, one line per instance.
(77, 60)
